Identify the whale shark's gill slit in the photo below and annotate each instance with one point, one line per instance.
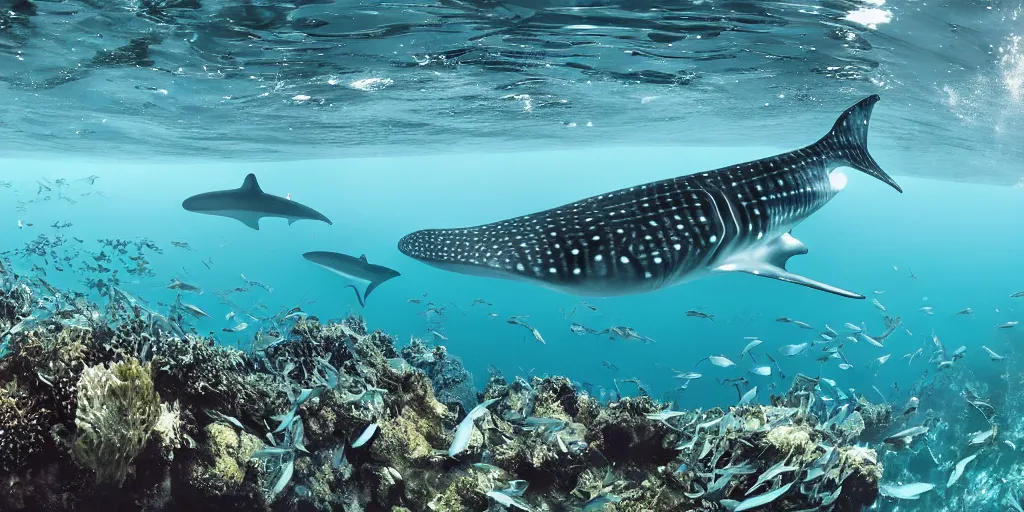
(729, 230)
(636, 264)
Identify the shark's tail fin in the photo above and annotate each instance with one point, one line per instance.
(847, 142)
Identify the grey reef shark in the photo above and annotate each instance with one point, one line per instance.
(639, 239)
(353, 268)
(249, 203)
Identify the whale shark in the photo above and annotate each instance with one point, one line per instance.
(646, 237)
(353, 268)
(249, 203)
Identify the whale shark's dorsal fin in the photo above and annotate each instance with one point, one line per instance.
(250, 185)
(362, 257)
(770, 261)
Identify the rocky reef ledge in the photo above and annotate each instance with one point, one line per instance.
(108, 410)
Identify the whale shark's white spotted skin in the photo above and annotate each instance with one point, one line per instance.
(733, 219)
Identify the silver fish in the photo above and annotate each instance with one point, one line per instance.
(993, 355)
(792, 350)
(194, 310)
(664, 415)
(461, 440)
(365, 436)
(982, 437)
(905, 492)
(720, 361)
(753, 343)
(959, 469)
(748, 396)
(763, 499)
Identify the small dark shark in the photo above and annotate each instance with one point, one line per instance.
(643, 238)
(353, 268)
(249, 203)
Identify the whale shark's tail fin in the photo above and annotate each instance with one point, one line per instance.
(847, 142)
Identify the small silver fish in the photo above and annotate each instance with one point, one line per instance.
(178, 284)
(959, 469)
(721, 361)
(461, 440)
(905, 492)
(981, 437)
(792, 350)
(238, 328)
(763, 371)
(664, 415)
(992, 355)
(1008, 325)
(753, 343)
(878, 304)
(869, 339)
(537, 336)
(911, 406)
(748, 396)
(194, 310)
(365, 436)
(699, 314)
(689, 376)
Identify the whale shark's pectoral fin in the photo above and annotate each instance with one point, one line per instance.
(770, 261)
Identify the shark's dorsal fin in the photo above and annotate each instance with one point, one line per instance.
(250, 185)
(770, 261)
(362, 258)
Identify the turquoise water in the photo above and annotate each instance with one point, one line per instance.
(962, 242)
(392, 117)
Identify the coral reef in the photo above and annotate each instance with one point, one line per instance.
(117, 411)
(122, 408)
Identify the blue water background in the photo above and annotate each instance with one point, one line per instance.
(962, 241)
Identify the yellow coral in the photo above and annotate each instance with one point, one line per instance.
(863, 461)
(401, 442)
(168, 426)
(228, 452)
(463, 495)
(795, 441)
(117, 410)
